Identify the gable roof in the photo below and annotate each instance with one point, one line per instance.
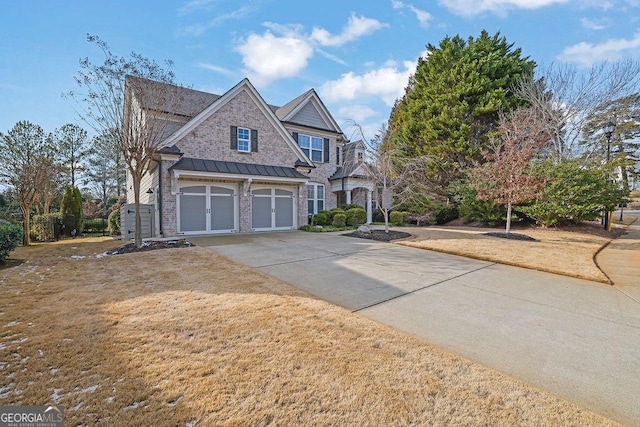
(187, 103)
(287, 113)
(219, 102)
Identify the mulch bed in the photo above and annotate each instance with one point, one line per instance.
(151, 245)
(379, 235)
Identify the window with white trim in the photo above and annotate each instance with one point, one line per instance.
(315, 196)
(244, 140)
(312, 146)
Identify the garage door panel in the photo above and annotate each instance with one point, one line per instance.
(284, 212)
(261, 212)
(222, 213)
(193, 213)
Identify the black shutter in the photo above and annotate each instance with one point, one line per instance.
(234, 137)
(326, 150)
(295, 136)
(254, 140)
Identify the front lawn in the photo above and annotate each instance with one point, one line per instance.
(187, 337)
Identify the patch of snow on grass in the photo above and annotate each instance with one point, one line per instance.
(90, 389)
(56, 396)
(12, 323)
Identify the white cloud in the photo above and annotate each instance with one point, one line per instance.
(199, 29)
(500, 7)
(386, 83)
(284, 50)
(587, 54)
(422, 15)
(217, 69)
(358, 113)
(595, 24)
(268, 57)
(356, 27)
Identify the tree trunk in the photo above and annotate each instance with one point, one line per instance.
(136, 198)
(386, 220)
(26, 225)
(508, 218)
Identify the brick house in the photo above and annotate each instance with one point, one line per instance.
(232, 163)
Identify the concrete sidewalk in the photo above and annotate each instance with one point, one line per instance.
(620, 260)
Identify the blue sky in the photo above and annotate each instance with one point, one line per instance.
(358, 55)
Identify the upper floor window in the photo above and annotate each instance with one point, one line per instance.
(244, 140)
(312, 146)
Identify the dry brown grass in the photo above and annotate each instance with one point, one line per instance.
(186, 337)
(569, 251)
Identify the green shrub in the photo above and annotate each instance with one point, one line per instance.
(356, 216)
(445, 213)
(350, 206)
(333, 212)
(398, 217)
(320, 218)
(114, 222)
(574, 192)
(43, 227)
(96, 225)
(10, 238)
(339, 220)
(71, 211)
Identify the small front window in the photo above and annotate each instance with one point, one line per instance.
(244, 141)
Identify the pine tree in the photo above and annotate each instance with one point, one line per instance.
(451, 105)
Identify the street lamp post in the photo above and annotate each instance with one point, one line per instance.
(608, 132)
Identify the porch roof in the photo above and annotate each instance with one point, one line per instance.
(236, 168)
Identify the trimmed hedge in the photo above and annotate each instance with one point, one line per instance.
(321, 218)
(398, 217)
(356, 216)
(339, 220)
(95, 225)
(10, 238)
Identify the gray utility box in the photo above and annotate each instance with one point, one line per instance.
(128, 221)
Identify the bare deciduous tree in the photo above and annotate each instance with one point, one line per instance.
(135, 115)
(521, 135)
(399, 179)
(565, 96)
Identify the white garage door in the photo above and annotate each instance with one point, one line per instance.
(204, 209)
(272, 209)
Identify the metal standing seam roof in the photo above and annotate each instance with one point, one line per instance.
(236, 168)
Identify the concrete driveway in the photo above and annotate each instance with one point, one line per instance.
(577, 339)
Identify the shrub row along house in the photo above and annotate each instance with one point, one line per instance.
(232, 163)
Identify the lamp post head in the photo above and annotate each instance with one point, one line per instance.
(609, 128)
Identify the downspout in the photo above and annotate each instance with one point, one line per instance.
(159, 195)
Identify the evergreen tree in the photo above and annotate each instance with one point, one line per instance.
(451, 105)
(71, 211)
